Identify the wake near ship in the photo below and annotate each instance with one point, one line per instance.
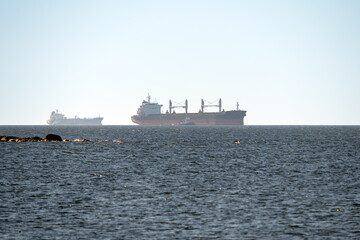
(57, 118)
(149, 114)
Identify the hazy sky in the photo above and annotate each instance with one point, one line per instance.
(286, 62)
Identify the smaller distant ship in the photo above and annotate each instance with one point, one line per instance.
(57, 118)
(186, 122)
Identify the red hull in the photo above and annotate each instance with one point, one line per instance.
(205, 119)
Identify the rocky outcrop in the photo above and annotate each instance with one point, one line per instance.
(8, 138)
(52, 137)
(49, 137)
(35, 139)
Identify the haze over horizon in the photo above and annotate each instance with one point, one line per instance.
(285, 62)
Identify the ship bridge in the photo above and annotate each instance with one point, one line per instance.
(149, 108)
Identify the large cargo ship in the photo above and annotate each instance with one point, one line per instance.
(57, 118)
(149, 114)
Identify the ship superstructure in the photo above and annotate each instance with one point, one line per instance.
(149, 113)
(148, 108)
(57, 118)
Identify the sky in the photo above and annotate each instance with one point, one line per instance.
(285, 62)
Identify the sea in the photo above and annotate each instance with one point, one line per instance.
(181, 182)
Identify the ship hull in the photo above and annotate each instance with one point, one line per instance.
(77, 121)
(234, 118)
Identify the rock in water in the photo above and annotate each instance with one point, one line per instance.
(8, 138)
(52, 137)
(35, 139)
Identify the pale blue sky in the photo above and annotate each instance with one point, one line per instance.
(286, 62)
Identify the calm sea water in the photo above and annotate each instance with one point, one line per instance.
(185, 182)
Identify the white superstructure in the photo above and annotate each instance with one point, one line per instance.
(149, 108)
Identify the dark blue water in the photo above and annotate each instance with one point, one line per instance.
(181, 183)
